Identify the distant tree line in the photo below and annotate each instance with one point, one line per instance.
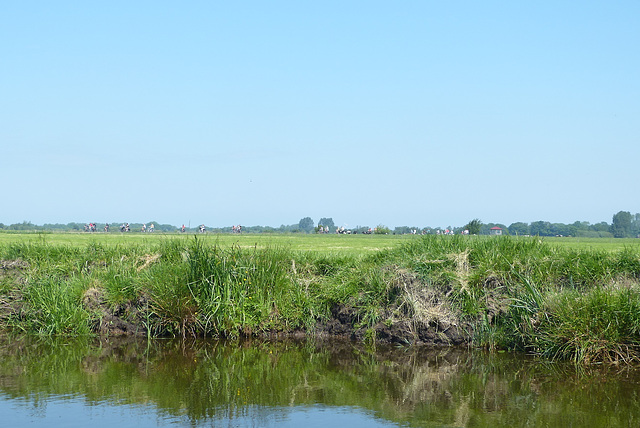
(623, 225)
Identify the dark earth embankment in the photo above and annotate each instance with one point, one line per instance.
(132, 317)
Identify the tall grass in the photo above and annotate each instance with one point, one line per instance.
(52, 307)
(188, 287)
(601, 324)
(510, 292)
(523, 294)
(214, 290)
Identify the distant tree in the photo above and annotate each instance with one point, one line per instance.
(635, 225)
(603, 226)
(541, 228)
(382, 230)
(621, 225)
(598, 230)
(519, 228)
(306, 224)
(581, 225)
(164, 227)
(25, 225)
(474, 226)
(327, 222)
(561, 229)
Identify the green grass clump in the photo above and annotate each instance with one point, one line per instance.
(213, 290)
(52, 307)
(365, 288)
(601, 324)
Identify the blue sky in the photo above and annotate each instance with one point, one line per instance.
(412, 113)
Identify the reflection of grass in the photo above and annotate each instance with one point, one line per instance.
(196, 381)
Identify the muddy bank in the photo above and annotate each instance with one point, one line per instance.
(407, 331)
(129, 319)
(405, 323)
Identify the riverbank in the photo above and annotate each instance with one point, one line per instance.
(498, 293)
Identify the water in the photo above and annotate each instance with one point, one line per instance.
(173, 383)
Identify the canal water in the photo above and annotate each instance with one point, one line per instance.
(205, 383)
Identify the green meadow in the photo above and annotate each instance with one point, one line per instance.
(357, 244)
(321, 243)
(596, 244)
(561, 298)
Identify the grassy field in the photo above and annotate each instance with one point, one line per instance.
(326, 244)
(597, 244)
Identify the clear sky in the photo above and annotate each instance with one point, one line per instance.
(416, 113)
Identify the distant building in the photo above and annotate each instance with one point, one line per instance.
(495, 231)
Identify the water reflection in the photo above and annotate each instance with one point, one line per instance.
(212, 383)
